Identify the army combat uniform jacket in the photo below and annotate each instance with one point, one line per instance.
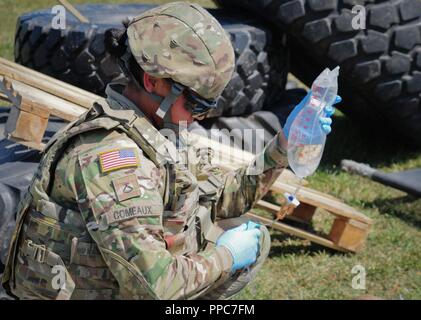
(110, 214)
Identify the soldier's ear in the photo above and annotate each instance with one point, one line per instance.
(149, 82)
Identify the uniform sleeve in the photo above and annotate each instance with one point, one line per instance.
(247, 185)
(123, 212)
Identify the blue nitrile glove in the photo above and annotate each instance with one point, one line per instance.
(325, 118)
(243, 243)
(252, 225)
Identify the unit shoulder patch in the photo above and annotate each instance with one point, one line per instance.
(126, 187)
(114, 159)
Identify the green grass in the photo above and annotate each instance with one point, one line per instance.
(297, 269)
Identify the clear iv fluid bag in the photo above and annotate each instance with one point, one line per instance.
(306, 138)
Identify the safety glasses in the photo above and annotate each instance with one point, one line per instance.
(199, 107)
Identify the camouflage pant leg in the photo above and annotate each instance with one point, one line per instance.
(240, 280)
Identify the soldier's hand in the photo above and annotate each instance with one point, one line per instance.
(243, 244)
(325, 118)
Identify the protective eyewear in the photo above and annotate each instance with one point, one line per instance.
(196, 105)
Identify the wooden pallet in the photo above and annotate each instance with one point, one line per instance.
(36, 96)
(346, 235)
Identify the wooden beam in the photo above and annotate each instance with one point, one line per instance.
(274, 209)
(48, 84)
(27, 123)
(322, 200)
(349, 233)
(56, 106)
(296, 232)
(74, 11)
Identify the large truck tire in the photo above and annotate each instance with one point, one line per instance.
(380, 77)
(76, 54)
(14, 180)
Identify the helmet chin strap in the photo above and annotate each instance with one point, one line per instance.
(165, 103)
(168, 101)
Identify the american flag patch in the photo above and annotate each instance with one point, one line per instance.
(117, 159)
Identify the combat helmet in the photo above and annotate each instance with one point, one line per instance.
(185, 43)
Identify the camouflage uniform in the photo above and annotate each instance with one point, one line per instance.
(137, 229)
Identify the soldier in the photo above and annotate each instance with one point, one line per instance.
(118, 211)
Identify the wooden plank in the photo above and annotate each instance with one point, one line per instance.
(24, 125)
(74, 11)
(303, 213)
(297, 232)
(48, 84)
(34, 108)
(321, 200)
(349, 233)
(55, 105)
(274, 209)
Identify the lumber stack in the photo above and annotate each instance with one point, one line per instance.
(36, 97)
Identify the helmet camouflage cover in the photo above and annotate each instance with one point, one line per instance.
(184, 42)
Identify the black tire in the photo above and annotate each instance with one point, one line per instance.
(14, 180)
(285, 103)
(380, 77)
(8, 203)
(76, 55)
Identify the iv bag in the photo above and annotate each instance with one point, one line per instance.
(306, 138)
